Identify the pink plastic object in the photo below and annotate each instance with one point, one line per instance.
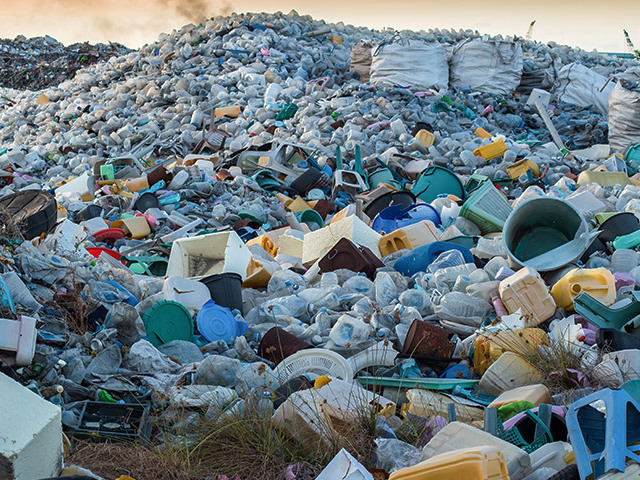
(487, 110)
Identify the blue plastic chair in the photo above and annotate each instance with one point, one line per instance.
(606, 439)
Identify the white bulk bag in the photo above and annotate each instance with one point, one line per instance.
(624, 119)
(410, 63)
(361, 60)
(581, 86)
(491, 66)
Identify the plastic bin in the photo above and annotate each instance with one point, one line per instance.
(123, 422)
(345, 254)
(527, 292)
(225, 289)
(488, 208)
(205, 255)
(477, 463)
(491, 151)
(597, 282)
(278, 344)
(409, 237)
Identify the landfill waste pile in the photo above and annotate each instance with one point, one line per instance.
(260, 246)
(35, 63)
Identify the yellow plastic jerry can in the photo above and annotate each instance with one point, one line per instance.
(597, 282)
(476, 463)
(527, 292)
(491, 151)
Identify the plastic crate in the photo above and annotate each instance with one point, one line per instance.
(488, 208)
(123, 422)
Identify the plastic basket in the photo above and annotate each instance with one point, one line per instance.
(514, 437)
(487, 208)
(316, 360)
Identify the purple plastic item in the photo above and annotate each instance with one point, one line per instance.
(623, 280)
(515, 419)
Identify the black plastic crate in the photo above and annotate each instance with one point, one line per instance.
(124, 422)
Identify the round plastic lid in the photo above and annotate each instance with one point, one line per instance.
(146, 201)
(167, 321)
(109, 235)
(216, 323)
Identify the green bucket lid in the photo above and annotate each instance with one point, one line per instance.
(167, 321)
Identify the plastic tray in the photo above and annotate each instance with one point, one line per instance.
(428, 383)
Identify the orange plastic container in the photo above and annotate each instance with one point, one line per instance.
(231, 112)
(265, 242)
(482, 133)
(410, 237)
(491, 151)
(527, 292)
(597, 282)
(537, 394)
(477, 463)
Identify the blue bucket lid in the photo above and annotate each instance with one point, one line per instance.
(215, 323)
(396, 216)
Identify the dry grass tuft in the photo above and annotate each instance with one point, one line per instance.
(111, 460)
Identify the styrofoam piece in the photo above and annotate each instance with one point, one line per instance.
(457, 435)
(199, 257)
(190, 293)
(94, 225)
(291, 243)
(19, 338)
(31, 438)
(344, 467)
(382, 353)
(315, 360)
(538, 95)
(79, 186)
(318, 243)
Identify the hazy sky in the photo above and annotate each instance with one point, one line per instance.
(586, 23)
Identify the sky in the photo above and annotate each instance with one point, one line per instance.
(589, 24)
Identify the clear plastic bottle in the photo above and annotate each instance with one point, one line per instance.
(445, 279)
(286, 281)
(460, 308)
(450, 258)
(349, 332)
(418, 299)
(624, 260)
(385, 289)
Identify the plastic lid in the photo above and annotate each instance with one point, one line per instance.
(167, 321)
(109, 235)
(146, 201)
(216, 323)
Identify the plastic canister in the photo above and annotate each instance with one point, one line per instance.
(490, 346)
(409, 237)
(425, 137)
(597, 282)
(508, 372)
(476, 463)
(527, 292)
(217, 323)
(491, 151)
(537, 394)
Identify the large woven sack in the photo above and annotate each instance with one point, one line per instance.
(493, 66)
(361, 60)
(410, 63)
(624, 119)
(581, 86)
